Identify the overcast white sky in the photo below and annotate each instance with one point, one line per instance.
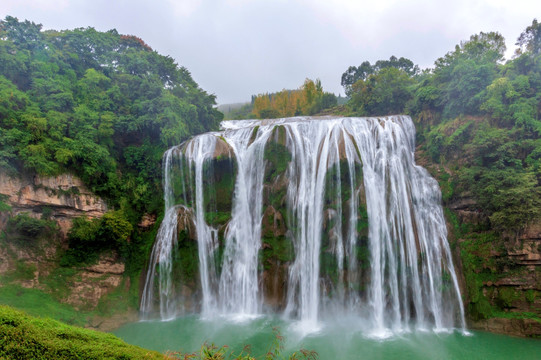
(236, 48)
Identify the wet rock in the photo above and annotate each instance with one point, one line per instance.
(185, 222)
(274, 284)
(273, 223)
(223, 150)
(515, 327)
(147, 221)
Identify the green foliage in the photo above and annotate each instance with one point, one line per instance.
(478, 267)
(82, 101)
(89, 238)
(219, 176)
(276, 249)
(463, 74)
(506, 296)
(38, 303)
(138, 252)
(186, 258)
(24, 337)
(362, 72)
(276, 154)
(530, 40)
(511, 198)
(114, 228)
(384, 92)
(275, 351)
(531, 296)
(214, 218)
(27, 225)
(481, 309)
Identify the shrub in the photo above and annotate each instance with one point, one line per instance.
(26, 225)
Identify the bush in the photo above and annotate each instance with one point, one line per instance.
(89, 238)
(26, 225)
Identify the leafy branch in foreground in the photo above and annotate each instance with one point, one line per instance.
(275, 352)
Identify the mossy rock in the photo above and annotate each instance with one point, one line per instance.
(482, 309)
(506, 297)
(186, 260)
(219, 176)
(272, 223)
(274, 250)
(276, 154)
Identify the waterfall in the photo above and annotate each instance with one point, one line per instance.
(365, 223)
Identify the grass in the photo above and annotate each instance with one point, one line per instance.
(26, 337)
(38, 303)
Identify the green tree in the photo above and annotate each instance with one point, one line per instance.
(385, 92)
(462, 75)
(530, 39)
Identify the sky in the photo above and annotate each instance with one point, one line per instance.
(238, 48)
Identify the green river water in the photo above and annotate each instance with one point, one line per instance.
(343, 338)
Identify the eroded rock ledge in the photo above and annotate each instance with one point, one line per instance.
(65, 195)
(33, 261)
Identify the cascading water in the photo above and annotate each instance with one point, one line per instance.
(365, 222)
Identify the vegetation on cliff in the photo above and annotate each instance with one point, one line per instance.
(478, 124)
(104, 107)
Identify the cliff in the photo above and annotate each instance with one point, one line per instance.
(500, 270)
(65, 197)
(34, 240)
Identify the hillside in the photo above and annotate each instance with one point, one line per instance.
(85, 117)
(25, 337)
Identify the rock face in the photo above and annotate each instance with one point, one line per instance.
(503, 276)
(515, 327)
(94, 282)
(467, 209)
(65, 196)
(32, 261)
(500, 274)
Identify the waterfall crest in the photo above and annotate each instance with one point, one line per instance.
(363, 224)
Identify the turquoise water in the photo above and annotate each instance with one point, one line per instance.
(341, 339)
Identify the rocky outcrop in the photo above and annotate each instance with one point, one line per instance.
(467, 210)
(33, 260)
(65, 196)
(96, 281)
(514, 327)
(499, 274)
(223, 149)
(147, 221)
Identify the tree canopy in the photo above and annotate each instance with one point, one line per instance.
(101, 105)
(309, 99)
(474, 113)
